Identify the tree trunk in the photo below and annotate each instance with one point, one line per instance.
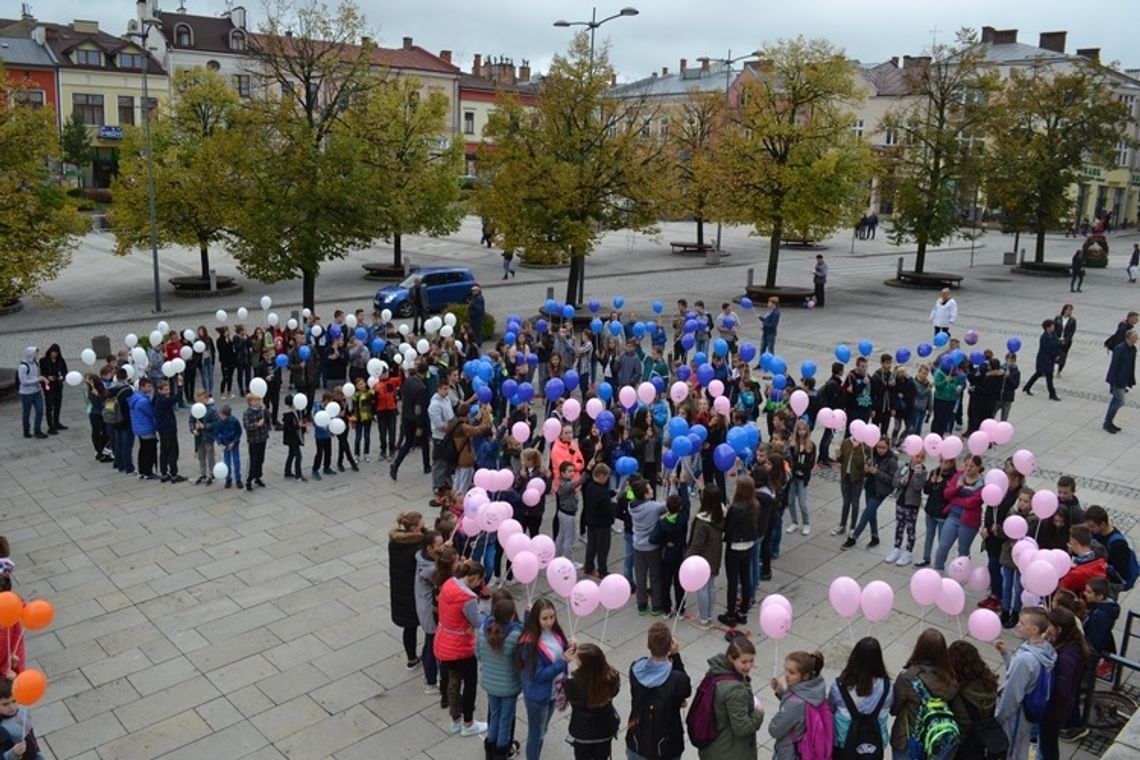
(1016, 243)
(700, 231)
(774, 253)
(204, 257)
(397, 259)
(572, 282)
(1039, 252)
(920, 257)
(309, 288)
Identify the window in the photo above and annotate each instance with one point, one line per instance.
(237, 40)
(131, 61)
(857, 128)
(315, 92)
(892, 138)
(88, 58)
(468, 122)
(663, 128)
(90, 108)
(126, 110)
(30, 98)
(1130, 101)
(242, 84)
(1123, 154)
(183, 37)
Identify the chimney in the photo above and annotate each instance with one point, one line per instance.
(704, 65)
(445, 55)
(1005, 37)
(988, 34)
(477, 65)
(895, 61)
(85, 27)
(684, 64)
(366, 41)
(1054, 41)
(1093, 54)
(613, 80)
(237, 16)
(524, 71)
(407, 43)
(664, 71)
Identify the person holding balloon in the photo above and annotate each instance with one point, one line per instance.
(736, 710)
(1034, 659)
(706, 540)
(17, 734)
(992, 533)
(928, 670)
(803, 680)
(963, 511)
(544, 652)
(878, 482)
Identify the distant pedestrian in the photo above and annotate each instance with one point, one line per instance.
(1120, 378)
(1077, 272)
(944, 313)
(1066, 328)
(819, 279)
(508, 264)
(476, 311)
(419, 302)
(1133, 262)
(1048, 350)
(873, 223)
(487, 237)
(771, 323)
(31, 391)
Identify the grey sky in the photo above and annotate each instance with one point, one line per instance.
(668, 30)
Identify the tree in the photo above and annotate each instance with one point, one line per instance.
(1047, 124)
(194, 149)
(695, 182)
(299, 174)
(937, 143)
(75, 144)
(576, 165)
(795, 169)
(412, 171)
(37, 225)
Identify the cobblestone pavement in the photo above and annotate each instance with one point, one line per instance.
(202, 622)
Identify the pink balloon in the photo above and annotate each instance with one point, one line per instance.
(913, 445)
(561, 575)
(845, 595)
(877, 600)
(1025, 558)
(519, 542)
(678, 391)
(508, 528)
(1044, 504)
(978, 443)
(536, 484)
(799, 402)
(646, 394)
(1024, 461)
(1015, 527)
(694, 573)
(571, 409)
(531, 497)
(933, 444)
(627, 396)
(997, 477)
(825, 417)
(775, 621)
(594, 407)
(960, 569)
(552, 427)
(951, 447)
(857, 427)
(925, 585)
(543, 547)
(871, 435)
(992, 494)
(716, 389)
(520, 431)
(1040, 577)
(470, 525)
(988, 426)
(485, 479)
(1029, 599)
(477, 496)
(979, 579)
(838, 419)
(951, 599)
(779, 599)
(1003, 433)
(506, 480)
(615, 591)
(525, 567)
(722, 406)
(493, 515)
(984, 625)
(1061, 562)
(584, 597)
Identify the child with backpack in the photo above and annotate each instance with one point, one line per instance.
(659, 687)
(543, 654)
(590, 691)
(860, 701)
(499, 677)
(725, 703)
(802, 727)
(293, 426)
(927, 716)
(1028, 681)
(1073, 656)
(982, 737)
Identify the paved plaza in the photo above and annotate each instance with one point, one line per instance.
(197, 622)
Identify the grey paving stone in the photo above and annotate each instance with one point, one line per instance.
(363, 653)
(241, 622)
(239, 647)
(101, 699)
(158, 739)
(162, 676)
(110, 668)
(345, 692)
(331, 735)
(166, 703)
(219, 713)
(83, 736)
(297, 714)
(240, 740)
(297, 680)
(250, 701)
(241, 673)
(403, 741)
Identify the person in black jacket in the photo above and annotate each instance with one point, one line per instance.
(414, 424)
(831, 396)
(986, 383)
(594, 722)
(1010, 382)
(246, 354)
(1066, 328)
(598, 519)
(53, 369)
(741, 535)
(1077, 272)
(1047, 352)
(659, 688)
(404, 541)
(226, 360)
(166, 425)
(1120, 378)
(673, 527)
(935, 500)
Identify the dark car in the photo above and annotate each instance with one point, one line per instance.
(445, 286)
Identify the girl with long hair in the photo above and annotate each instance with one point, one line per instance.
(977, 685)
(803, 462)
(1073, 656)
(543, 655)
(864, 687)
(927, 671)
(591, 690)
(738, 714)
(404, 542)
(740, 534)
(454, 645)
(496, 649)
(707, 540)
(802, 679)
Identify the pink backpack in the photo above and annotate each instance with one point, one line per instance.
(818, 740)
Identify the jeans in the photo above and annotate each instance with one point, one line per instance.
(933, 528)
(244, 375)
(1075, 282)
(363, 430)
(538, 715)
(799, 494)
(953, 530)
(870, 514)
(427, 657)
(1114, 403)
(943, 423)
(207, 373)
(232, 458)
(825, 446)
(31, 401)
(916, 419)
(206, 455)
(647, 562)
(501, 720)
(627, 563)
(994, 566)
(122, 443)
(564, 544)
(706, 597)
(851, 491)
(768, 342)
(441, 468)
(775, 534)
(486, 547)
(1010, 590)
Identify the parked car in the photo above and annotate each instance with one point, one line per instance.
(445, 286)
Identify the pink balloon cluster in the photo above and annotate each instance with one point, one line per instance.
(1000, 433)
(1041, 569)
(865, 433)
(775, 616)
(835, 419)
(494, 480)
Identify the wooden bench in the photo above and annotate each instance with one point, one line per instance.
(937, 280)
(386, 272)
(787, 295)
(690, 248)
(8, 382)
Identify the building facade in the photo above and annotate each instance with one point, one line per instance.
(478, 92)
(29, 64)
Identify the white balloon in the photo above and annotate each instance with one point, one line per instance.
(188, 334)
(423, 346)
(404, 330)
(409, 364)
(221, 471)
(321, 419)
(130, 370)
(73, 378)
(138, 356)
(403, 349)
(243, 313)
(317, 330)
(386, 315)
(291, 324)
(337, 426)
(430, 326)
(333, 409)
(131, 340)
(300, 402)
(374, 368)
(306, 313)
(221, 315)
(258, 387)
(179, 365)
(266, 302)
(163, 327)
(458, 345)
(88, 356)
(350, 321)
(186, 352)
(449, 320)
(168, 369)
(411, 353)
(198, 411)
(199, 347)
(446, 331)
(348, 389)
(156, 339)
(272, 319)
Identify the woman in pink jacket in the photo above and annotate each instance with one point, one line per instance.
(963, 511)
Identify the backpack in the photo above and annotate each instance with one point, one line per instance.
(987, 739)
(1133, 566)
(112, 410)
(647, 731)
(935, 734)
(818, 741)
(1037, 700)
(701, 720)
(864, 736)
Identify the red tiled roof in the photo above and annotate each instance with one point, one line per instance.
(207, 33)
(415, 58)
(62, 39)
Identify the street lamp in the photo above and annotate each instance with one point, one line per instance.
(593, 25)
(727, 62)
(148, 25)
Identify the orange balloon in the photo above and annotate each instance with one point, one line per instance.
(37, 614)
(29, 687)
(10, 608)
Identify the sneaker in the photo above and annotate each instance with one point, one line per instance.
(873, 542)
(1074, 734)
(805, 531)
(392, 473)
(849, 543)
(792, 528)
(656, 612)
(904, 559)
(178, 479)
(165, 479)
(476, 728)
(200, 481)
(367, 458)
(726, 619)
(260, 483)
(229, 484)
(412, 664)
(893, 556)
(355, 468)
(838, 530)
(1109, 427)
(1008, 621)
(209, 481)
(316, 475)
(249, 486)
(300, 479)
(922, 563)
(431, 688)
(41, 436)
(643, 612)
(329, 471)
(340, 468)
(704, 624)
(455, 727)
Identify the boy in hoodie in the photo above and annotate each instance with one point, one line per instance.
(31, 391)
(1033, 659)
(142, 423)
(228, 435)
(17, 737)
(659, 679)
(672, 527)
(566, 504)
(1101, 617)
(166, 425)
(643, 514)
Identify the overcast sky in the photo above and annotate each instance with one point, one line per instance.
(668, 30)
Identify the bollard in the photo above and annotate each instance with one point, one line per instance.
(550, 293)
(101, 345)
(751, 274)
(899, 274)
(213, 280)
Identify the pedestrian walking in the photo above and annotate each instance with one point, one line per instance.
(31, 391)
(1133, 262)
(819, 279)
(1077, 271)
(1066, 328)
(944, 313)
(1048, 350)
(1120, 378)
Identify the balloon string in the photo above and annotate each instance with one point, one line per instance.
(680, 607)
(775, 658)
(605, 622)
(850, 631)
(958, 619)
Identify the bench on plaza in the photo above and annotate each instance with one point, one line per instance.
(787, 295)
(386, 272)
(688, 248)
(1042, 268)
(199, 287)
(932, 280)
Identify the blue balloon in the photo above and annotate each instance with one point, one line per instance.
(1013, 345)
(360, 333)
(669, 459)
(737, 439)
(766, 361)
(957, 356)
(618, 302)
(594, 305)
(541, 325)
(554, 389)
(551, 306)
(695, 440)
(677, 427)
(509, 388)
(514, 318)
(746, 303)
(902, 356)
(700, 431)
(779, 382)
(807, 369)
(510, 338)
(304, 352)
(625, 466)
(532, 359)
(638, 329)
(778, 365)
(658, 384)
(377, 345)
(946, 364)
(525, 392)
(866, 347)
(700, 358)
(747, 352)
(705, 374)
(568, 311)
(688, 341)
(720, 347)
(605, 391)
(478, 383)
(724, 457)
(615, 329)
(753, 436)
(595, 325)
(776, 394)
(570, 379)
(842, 353)
(941, 339)
(470, 368)
(658, 307)
(605, 421)
(485, 370)
(335, 331)
(691, 325)
(484, 395)
(977, 358)
(924, 349)
(281, 360)
(681, 445)
(684, 372)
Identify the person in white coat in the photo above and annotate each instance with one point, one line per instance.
(944, 313)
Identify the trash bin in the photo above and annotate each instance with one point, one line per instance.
(712, 257)
(1009, 259)
(101, 345)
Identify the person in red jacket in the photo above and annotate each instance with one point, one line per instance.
(387, 388)
(454, 645)
(1087, 563)
(12, 656)
(963, 511)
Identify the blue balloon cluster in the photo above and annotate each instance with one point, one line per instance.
(625, 466)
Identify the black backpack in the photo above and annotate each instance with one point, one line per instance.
(647, 732)
(986, 739)
(864, 735)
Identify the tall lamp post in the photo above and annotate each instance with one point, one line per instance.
(727, 62)
(593, 25)
(147, 25)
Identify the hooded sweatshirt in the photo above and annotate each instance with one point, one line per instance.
(28, 373)
(644, 516)
(668, 676)
(1023, 668)
(425, 591)
(789, 722)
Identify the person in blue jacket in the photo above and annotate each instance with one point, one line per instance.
(227, 434)
(142, 423)
(499, 676)
(1048, 351)
(544, 653)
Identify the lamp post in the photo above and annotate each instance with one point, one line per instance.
(593, 25)
(147, 25)
(727, 62)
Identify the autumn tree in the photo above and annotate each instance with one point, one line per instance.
(575, 165)
(411, 169)
(299, 175)
(38, 227)
(194, 148)
(795, 168)
(695, 181)
(1047, 123)
(938, 140)
(75, 144)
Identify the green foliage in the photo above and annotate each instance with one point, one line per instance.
(75, 143)
(460, 310)
(695, 184)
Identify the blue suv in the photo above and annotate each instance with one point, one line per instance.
(445, 286)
